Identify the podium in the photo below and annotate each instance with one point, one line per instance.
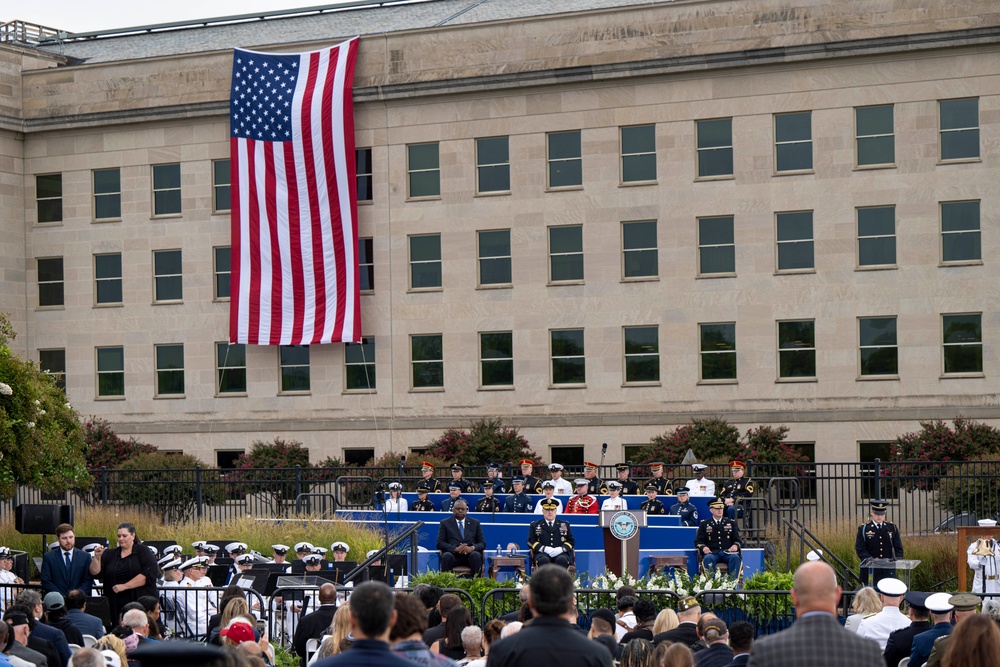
(877, 569)
(621, 539)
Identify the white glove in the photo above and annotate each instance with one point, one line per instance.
(553, 551)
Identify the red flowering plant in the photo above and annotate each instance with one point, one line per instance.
(105, 449)
(487, 440)
(921, 459)
(269, 468)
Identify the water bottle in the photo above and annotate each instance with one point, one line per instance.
(499, 551)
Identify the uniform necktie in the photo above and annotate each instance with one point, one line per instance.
(66, 556)
(461, 529)
(550, 524)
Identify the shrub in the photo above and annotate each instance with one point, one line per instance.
(924, 454)
(975, 491)
(259, 470)
(166, 484)
(486, 440)
(766, 444)
(106, 449)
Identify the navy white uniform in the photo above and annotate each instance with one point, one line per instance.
(987, 568)
(559, 535)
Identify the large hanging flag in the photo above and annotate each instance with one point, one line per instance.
(294, 198)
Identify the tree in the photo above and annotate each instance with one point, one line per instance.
(167, 484)
(486, 440)
(106, 449)
(710, 439)
(41, 440)
(924, 455)
(260, 469)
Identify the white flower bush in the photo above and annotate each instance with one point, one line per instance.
(678, 581)
(5, 389)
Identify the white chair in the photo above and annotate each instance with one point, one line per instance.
(89, 640)
(904, 662)
(312, 645)
(73, 648)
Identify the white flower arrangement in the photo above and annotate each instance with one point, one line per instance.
(5, 389)
(31, 424)
(678, 581)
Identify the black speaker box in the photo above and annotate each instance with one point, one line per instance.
(41, 519)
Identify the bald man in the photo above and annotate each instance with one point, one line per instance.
(815, 595)
(314, 625)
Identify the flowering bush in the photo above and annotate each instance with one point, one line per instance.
(715, 439)
(677, 581)
(106, 449)
(926, 453)
(486, 440)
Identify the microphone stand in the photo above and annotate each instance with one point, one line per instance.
(402, 460)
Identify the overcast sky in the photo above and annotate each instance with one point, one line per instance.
(83, 16)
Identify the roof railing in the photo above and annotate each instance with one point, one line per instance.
(32, 34)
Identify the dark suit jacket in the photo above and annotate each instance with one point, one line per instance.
(55, 577)
(924, 642)
(53, 636)
(548, 641)
(716, 655)
(685, 633)
(24, 653)
(449, 537)
(817, 640)
(901, 642)
(45, 648)
(86, 623)
(740, 660)
(312, 626)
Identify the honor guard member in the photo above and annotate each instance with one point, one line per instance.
(454, 495)
(493, 476)
(662, 485)
(684, 508)
(629, 486)
(878, 539)
(456, 477)
(738, 486)
(563, 487)
(549, 489)
(422, 504)
(551, 539)
(427, 470)
(615, 502)
(982, 558)
(651, 505)
(518, 501)
(531, 484)
(582, 502)
(489, 502)
(700, 485)
(718, 539)
(595, 486)
(880, 625)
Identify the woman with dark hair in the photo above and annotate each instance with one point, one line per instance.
(637, 653)
(129, 571)
(151, 605)
(451, 646)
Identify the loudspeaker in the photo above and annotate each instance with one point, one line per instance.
(41, 519)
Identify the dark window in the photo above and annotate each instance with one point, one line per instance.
(359, 365)
(959, 129)
(166, 189)
(639, 254)
(231, 368)
(569, 365)
(363, 173)
(223, 259)
(427, 356)
(50, 281)
(358, 457)
(492, 165)
(715, 147)
(642, 354)
(963, 343)
(496, 358)
(108, 275)
(294, 363)
(48, 196)
(718, 351)
(797, 349)
(494, 257)
(716, 245)
(425, 261)
(169, 370)
(107, 194)
(168, 280)
(961, 238)
(565, 253)
(879, 353)
(565, 159)
(795, 240)
(793, 141)
(220, 186)
(876, 143)
(877, 236)
(53, 362)
(638, 153)
(110, 371)
(366, 265)
(423, 162)
(567, 455)
(227, 459)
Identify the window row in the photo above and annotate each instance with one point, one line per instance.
(878, 358)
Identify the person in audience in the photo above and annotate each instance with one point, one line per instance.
(531, 483)
(151, 605)
(457, 479)
(138, 622)
(446, 603)
(686, 632)
(76, 612)
(700, 485)
(472, 641)
(741, 641)
(115, 645)
(965, 605)
(489, 502)
(337, 639)
(582, 502)
(493, 477)
(423, 503)
(454, 495)
(17, 619)
(510, 629)
(30, 603)
(491, 633)
(198, 606)
(625, 621)
(714, 633)
(512, 616)
(615, 501)
(890, 618)
(451, 645)
(665, 620)
(55, 617)
(940, 610)
(316, 623)
(675, 655)
(518, 501)
(406, 634)
(684, 508)
(396, 502)
(866, 603)
(563, 486)
(900, 642)
(372, 617)
(651, 505)
(629, 486)
(85, 657)
(975, 641)
(429, 482)
(736, 488)
(637, 653)
(602, 630)
(595, 485)
(645, 616)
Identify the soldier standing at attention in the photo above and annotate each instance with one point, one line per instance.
(662, 486)
(629, 486)
(595, 486)
(549, 538)
(651, 505)
(518, 501)
(684, 508)
(488, 503)
(427, 470)
(878, 539)
(739, 486)
(422, 504)
(531, 484)
(581, 503)
(718, 539)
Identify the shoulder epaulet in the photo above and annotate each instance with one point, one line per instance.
(870, 615)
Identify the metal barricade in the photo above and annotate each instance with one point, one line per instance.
(186, 611)
(767, 611)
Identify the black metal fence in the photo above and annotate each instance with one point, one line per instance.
(923, 497)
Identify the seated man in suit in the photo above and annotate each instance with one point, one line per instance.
(550, 539)
(66, 567)
(461, 540)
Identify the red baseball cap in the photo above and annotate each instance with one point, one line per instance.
(239, 633)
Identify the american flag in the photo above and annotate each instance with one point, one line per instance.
(294, 198)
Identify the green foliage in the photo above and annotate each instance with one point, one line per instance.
(259, 470)
(279, 453)
(476, 587)
(925, 453)
(166, 484)
(486, 440)
(766, 444)
(106, 449)
(283, 657)
(716, 440)
(976, 493)
(770, 581)
(41, 441)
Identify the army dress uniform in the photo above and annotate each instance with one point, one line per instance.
(532, 484)
(878, 540)
(498, 485)
(488, 503)
(736, 488)
(661, 483)
(424, 505)
(629, 486)
(718, 535)
(595, 486)
(433, 485)
(652, 506)
(543, 536)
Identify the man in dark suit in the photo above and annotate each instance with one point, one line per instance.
(461, 540)
(315, 625)
(816, 638)
(686, 632)
(67, 567)
(900, 642)
(741, 641)
(372, 616)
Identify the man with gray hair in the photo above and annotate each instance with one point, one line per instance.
(87, 657)
(138, 621)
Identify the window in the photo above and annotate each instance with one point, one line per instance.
(169, 370)
(427, 357)
(108, 276)
(570, 456)
(565, 253)
(220, 186)
(226, 458)
(358, 457)
(963, 343)
(639, 255)
(496, 359)
(492, 165)
(366, 265)
(879, 354)
(231, 368)
(166, 189)
(565, 159)
(107, 194)
(424, 165)
(53, 362)
(50, 282)
(363, 173)
(795, 241)
(494, 257)
(642, 354)
(959, 129)
(877, 236)
(110, 371)
(222, 269)
(797, 349)
(718, 351)
(569, 365)
(793, 141)
(715, 147)
(359, 365)
(961, 239)
(425, 261)
(716, 246)
(48, 195)
(293, 361)
(631, 452)
(167, 278)
(638, 154)
(876, 142)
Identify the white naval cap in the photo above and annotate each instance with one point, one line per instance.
(938, 603)
(892, 587)
(340, 546)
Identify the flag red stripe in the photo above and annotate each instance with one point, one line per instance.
(253, 216)
(333, 199)
(235, 250)
(316, 218)
(295, 241)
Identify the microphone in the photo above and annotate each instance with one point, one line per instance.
(402, 459)
(604, 448)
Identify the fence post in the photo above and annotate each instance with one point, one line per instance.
(197, 489)
(104, 485)
(878, 478)
(298, 481)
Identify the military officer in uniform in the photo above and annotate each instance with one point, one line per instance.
(629, 486)
(531, 484)
(651, 505)
(878, 539)
(427, 470)
(454, 495)
(615, 500)
(662, 485)
(684, 508)
(518, 501)
(488, 503)
(456, 477)
(549, 489)
(492, 476)
(982, 558)
(739, 486)
(718, 539)
(700, 485)
(595, 486)
(582, 502)
(880, 625)
(563, 487)
(422, 503)
(550, 539)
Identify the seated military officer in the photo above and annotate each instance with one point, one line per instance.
(651, 505)
(718, 539)
(739, 486)
(551, 539)
(684, 508)
(488, 503)
(454, 495)
(423, 503)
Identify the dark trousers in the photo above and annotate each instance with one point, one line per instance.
(561, 560)
(450, 559)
